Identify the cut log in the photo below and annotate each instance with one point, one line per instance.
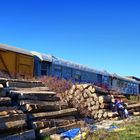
(133, 106)
(13, 117)
(105, 99)
(100, 115)
(104, 106)
(91, 89)
(105, 114)
(5, 101)
(95, 97)
(112, 114)
(93, 103)
(85, 86)
(136, 113)
(81, 88)
(12, 126)
(85, 95)
(55, 114)
(87, 91)
(100, 90)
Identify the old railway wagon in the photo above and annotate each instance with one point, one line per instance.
(53, 66)
(20, 63)
(124, 84)
(16, 62)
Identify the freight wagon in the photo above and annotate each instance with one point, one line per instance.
(16, 62)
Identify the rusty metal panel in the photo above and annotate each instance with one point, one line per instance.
(15, 64)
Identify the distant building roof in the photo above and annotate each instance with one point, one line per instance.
(59, 61)
(14, 49)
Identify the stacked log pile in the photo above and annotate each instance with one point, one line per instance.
(90, 101)
(13, 123)
(46, 113)
(95, 102)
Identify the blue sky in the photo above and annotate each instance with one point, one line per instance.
(103, 34)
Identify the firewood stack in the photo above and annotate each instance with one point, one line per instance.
(46, 113)
(91, 101)
(13, 123)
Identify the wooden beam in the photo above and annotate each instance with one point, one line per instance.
(5, 101)
(54, 114)
(57, 130)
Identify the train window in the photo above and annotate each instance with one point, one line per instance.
(43, 72)
(58, 71)
(77, 77)
(44, 65)
(67, 73)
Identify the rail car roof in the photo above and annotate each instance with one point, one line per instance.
(59, 61)
(125, 78)
(14, 49)
(43, 57)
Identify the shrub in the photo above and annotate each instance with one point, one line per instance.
(56, 84)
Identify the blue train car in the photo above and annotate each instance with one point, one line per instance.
(125, 85)
(53, 66)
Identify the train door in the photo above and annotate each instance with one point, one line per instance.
(25, 66)
(45, 68)
(99, 79)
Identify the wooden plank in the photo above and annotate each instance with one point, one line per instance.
(13, 117)
(30, 89)
(37, 106)
(5, 101)
(10, 112)
(24, 83)
(44, 96)
(35, 93)
(52, 122)
(12, 125)
(54, 114)
(42, 103)
(58, 130)
(25, 135)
